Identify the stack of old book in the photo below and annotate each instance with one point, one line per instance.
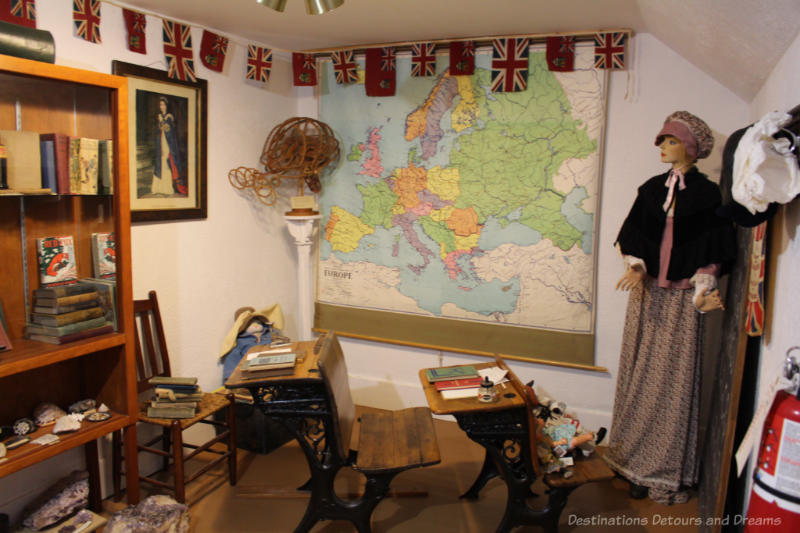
(455, 382)
(66, 313)
(175, 397)
(261, 362)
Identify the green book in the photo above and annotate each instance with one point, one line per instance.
(453, 372)
(172, 380)
(171, 412)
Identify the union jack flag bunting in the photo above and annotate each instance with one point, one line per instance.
(213, 49)
(304, 69)
(380, 77)
(509, 65)
(259, 63)
(609, 50)
(462, 58)
(754, 324)
(136, 23)
(86, 15)
(560, 54)
(387, 59)
(21, 12)
(344, 66)
(423, 60)
(178, 50)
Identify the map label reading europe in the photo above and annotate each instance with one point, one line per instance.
(452, 201)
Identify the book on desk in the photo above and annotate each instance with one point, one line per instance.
(451, 373)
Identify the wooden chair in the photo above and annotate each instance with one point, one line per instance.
(152, 359)
(389, 442)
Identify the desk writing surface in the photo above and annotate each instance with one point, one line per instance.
(508, 397)
(304, 370)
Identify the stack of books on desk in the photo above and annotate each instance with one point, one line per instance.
(270, 362)
(176, 397)
(66, 313)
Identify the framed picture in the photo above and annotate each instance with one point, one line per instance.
(168, 138)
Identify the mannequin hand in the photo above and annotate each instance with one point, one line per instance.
(633, 278)
(708, 301)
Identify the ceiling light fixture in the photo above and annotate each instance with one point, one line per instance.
(313, 7)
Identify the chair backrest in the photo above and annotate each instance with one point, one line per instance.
(152, 358)
(531, 402)
(333, 370)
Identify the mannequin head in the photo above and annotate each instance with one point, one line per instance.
(673, 151)
(691, 131)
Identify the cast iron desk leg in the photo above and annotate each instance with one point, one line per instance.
(504, 436)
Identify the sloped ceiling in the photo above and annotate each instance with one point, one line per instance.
(735, 41)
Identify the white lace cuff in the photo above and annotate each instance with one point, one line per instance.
(632, 261)
(702, 284)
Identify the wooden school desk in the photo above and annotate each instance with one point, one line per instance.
(505, 429)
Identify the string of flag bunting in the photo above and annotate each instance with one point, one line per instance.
(509, 65)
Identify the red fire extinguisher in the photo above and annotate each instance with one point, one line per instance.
(775, 498)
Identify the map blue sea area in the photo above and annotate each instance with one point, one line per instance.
(452, 201)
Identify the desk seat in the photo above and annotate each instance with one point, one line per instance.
(393, 441)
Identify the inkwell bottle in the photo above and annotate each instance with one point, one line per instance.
(486, 392)
(3, 167)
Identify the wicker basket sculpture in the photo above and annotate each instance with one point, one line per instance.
(298, 148)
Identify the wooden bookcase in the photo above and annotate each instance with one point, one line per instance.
(47, 98)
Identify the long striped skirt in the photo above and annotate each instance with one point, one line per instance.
(653, 438)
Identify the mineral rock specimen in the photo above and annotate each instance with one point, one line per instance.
(47, 413)
(156, 514)
(67, 423)
(62, 499)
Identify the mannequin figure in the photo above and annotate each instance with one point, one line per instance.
(674, 247)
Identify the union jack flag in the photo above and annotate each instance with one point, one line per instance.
(344, 66)
(509, 65)
(754, 323)
(387, 59)
(24, 9)
(423, 60)
(259, 63)
(86, 15)
(178, 50)
(609, 50)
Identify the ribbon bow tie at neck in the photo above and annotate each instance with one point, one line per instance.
(675, 176)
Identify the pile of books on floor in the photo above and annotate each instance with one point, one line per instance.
(175, 397)
(67, 313)
(266, 362)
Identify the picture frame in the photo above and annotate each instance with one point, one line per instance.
(167, 124)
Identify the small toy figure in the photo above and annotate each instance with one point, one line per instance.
(559, 433)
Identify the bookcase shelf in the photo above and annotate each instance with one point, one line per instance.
(46, 98)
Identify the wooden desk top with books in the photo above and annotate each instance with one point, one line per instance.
(305, 368)
(508, 397)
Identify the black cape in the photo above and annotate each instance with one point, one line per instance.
(700, 236)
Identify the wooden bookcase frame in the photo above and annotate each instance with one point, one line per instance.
(47, 98)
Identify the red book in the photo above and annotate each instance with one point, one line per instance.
(61, 151)
(463, 383)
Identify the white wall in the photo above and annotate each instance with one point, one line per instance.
(780, 93)
(203, 270)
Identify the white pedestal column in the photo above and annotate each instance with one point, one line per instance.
(301, 228)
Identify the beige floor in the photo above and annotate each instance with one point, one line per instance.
(216, 507)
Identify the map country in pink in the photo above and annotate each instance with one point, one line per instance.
(372, 164)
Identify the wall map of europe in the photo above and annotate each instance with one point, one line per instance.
(452, 202)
